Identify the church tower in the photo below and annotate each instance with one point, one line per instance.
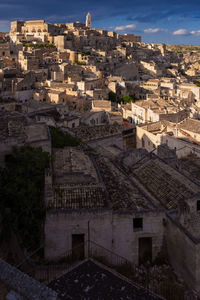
(89, 21)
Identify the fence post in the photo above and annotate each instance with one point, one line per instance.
(88, 239)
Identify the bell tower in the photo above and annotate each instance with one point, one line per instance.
(88, 21)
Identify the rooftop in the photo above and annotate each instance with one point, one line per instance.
(166, 184)
(36, 132)
(91, 280)
(11, 124)
(123, 194)
(76, 183)
(101, 103)
(87, 133)
(72, 166)
(190, 125)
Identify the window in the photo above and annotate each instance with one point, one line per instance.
(143, 143)
(137, 224)
(198, 205)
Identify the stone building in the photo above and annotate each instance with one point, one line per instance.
(88, 199)
(35, 29)
(182, 229)
(14, 131)
(182, 137)
(179, 195)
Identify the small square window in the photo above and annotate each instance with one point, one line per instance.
(137, 224)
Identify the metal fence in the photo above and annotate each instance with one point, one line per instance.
(45, 273)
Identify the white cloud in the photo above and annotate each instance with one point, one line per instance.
(154, 30)
(124, 27)
(195, 32)
(181, 32)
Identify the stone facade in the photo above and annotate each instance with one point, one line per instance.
(120, 238)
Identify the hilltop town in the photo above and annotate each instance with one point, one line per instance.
(99, 165)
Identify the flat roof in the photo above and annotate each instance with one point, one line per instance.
(36, 132)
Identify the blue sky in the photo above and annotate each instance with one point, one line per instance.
(171, 22)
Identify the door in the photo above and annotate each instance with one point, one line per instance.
(78, 246)
(145, 250)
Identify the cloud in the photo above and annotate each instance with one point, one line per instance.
(4, 22)
(4, 25)
(181, 32)
(186, 32)
(195, 32)
(125, 27)
(154, 30)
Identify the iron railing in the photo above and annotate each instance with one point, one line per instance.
(47, 271)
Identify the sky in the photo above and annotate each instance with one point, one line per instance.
(157, 21)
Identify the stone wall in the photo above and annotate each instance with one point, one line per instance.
(120, 236)
(19, 96)
(152, 141)
(126, 240)
(184, 253)
(60, 225)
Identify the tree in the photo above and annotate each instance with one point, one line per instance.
(128, 99)
(21, 190)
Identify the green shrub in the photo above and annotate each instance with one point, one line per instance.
(61, 139)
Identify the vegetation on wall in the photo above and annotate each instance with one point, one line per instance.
(62, 139)
(40, 45)
(125, 99)
(87, 53)
(21, 191)
(197, 83)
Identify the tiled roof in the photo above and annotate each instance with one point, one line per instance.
(123, 194)
(191, 125)
(164, 183)
(78, 197)
(90, 280)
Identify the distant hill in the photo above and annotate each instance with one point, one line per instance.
(183, 48)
